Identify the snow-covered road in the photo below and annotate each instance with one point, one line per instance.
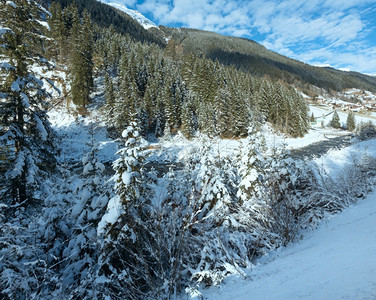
(337, 261)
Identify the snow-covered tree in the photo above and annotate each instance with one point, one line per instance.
(251, 167)
(24, 126)
(282, 196)
(125, 224)
(81, 253)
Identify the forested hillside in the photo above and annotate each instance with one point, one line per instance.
(84, 213)
(165, 91)
(248, 56)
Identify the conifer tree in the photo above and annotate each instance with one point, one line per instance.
(24, 123)
(222, 112)
(312, 118)
(124, 225)
(81, 65)
(81, 252)
(57, 31)
(350, 121)
(110, 99)
(251, 167)
(335, 122)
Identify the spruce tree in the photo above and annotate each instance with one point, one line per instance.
(350, 121)
(81, 65)
(24, 123)
(335, 122)
(312, 118)
(125, 224)
(57, 32)
(110, 99)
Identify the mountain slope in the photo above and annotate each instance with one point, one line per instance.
(105, 15)
(252, 57)
(140, 18)
(244, 54)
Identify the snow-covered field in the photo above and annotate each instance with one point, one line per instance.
(336, 261)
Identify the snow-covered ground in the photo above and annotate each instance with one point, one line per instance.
(337, 261)
(75, 133)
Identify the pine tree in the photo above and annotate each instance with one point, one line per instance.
(110, 99)
(24, 122)
(81, 253)
(251, 167)
(335, 122)
(350, 121)
(81, 65)
(125, 223)
(222, 113)
(57, 31)
(312, 118)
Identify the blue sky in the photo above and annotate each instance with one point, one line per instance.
(340, 33)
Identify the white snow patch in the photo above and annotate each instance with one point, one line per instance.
(140, 18)
(15, 87)
(11, 3)
(44, 24)
(114, 210)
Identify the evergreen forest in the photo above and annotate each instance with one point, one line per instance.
(136, 227)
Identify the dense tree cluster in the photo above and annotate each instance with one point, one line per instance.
(66, 25)
(191, 94)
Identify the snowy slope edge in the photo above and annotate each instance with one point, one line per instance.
(144, 22)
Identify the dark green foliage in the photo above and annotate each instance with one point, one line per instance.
(104, 15)
(366, 131)
(81, 65)
(312, 118)
(350, 121)
(251, 57)
(335, 122)
(192, 94)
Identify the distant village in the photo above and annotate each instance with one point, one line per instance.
(352, 99)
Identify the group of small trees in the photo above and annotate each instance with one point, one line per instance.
(350, 121)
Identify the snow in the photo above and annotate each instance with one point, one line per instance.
(114, 210)
(4, 30)
(15, 87)
(126, 178)
(145, 22)
(335, 160)
(11, 3)
(44, 24)
(6, 66)
(75, 134)
(337, 261)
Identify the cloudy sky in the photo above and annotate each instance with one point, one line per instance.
(340, 33)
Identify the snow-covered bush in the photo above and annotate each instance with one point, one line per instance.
(366, 131)
(82, 250)
(283, 186)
